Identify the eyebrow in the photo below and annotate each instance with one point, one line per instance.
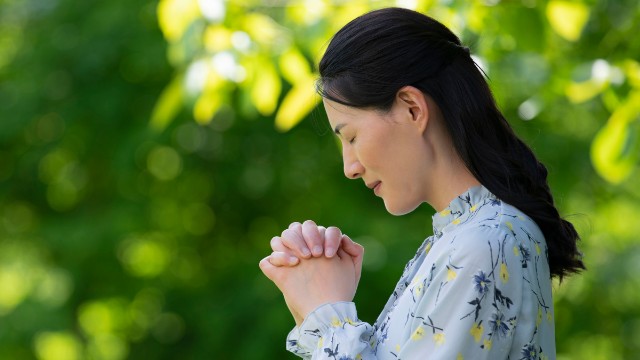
(337, 129)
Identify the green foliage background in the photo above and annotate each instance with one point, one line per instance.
(149, 151)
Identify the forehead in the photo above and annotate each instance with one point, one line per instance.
(342, 114)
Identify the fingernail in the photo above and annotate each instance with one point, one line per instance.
(306, 252)
(329, 252)
(293, 260)
(317, 250)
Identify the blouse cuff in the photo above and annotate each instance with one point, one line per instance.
(303, 340)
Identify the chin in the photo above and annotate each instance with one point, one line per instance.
(400, 209)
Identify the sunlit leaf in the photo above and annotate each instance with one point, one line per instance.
(476, 17)
(615, 150)
(631, 69)
(266, 88)
(567, 19)
(175, 16)
(579, 92)
(261, 28)
(206, 106)
(298, 102)
(307, 13)
(217, 38)
(58, 345)
(168, 104)
(348, 12)
(294, 66)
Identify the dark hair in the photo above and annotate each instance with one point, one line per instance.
(376, 54)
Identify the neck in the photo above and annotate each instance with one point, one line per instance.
(453, 180)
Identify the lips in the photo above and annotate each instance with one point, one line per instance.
(375, 186)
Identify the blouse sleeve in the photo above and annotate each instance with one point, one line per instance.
(469, 308)
(332, 331)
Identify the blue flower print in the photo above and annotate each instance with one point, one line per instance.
(529, 352)
(498, 325)
(481, 282)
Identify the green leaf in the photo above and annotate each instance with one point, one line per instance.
(298, 102)
(168, 104)
(615, 148)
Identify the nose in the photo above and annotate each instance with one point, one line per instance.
(353, 169)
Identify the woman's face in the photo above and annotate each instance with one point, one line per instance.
(386, 150)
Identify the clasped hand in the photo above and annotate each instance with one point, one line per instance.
(313, 265)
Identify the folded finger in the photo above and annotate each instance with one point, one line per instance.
(295, 225)
(312, 237)
(277, 245)
(332, 237)
(278, 259)
(294, 241)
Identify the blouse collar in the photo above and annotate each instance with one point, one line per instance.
(461, 206)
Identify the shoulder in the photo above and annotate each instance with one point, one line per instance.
(480, 242)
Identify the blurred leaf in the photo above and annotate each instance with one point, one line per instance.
(615, 150)
(217, 38)
(579, 92)
(168, 104)
(266, 87)
(294, 67)
(297, 104)
(175, 16)
(207, 105)
(261, 27)
(567, 18)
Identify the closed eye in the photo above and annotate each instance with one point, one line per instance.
(352, 140)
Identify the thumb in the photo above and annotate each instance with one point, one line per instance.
(268, 268)
(352, 248)
(357, 253)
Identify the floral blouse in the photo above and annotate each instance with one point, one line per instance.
(479, 288)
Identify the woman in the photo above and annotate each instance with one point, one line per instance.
(418, 123)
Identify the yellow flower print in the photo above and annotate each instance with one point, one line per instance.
(335, 322)
(451, 275)
(398, 348)
(538, 249)
(427, 248)
(549, 316)
(516, 251)
(418, 290)
(539, 318)
(320, 342)
(438, 338)
(487, 344)
(445, 212)
(476, 331)
(509, 225)
(460, 357)
(358, 357)
(474, 207)
(456, 222)
(418, 334)
(349, 321)
(544, 357)
(504, 273)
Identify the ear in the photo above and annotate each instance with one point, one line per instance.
(414, 103)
